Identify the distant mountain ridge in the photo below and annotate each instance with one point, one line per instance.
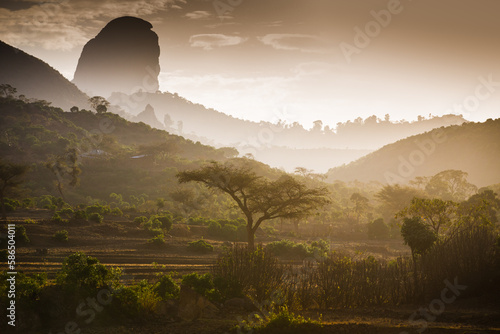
(471, 147)
(36, 79)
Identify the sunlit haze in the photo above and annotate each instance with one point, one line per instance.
(294, 60)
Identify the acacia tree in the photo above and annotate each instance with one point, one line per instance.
(10, 177)
(259, 198)
(65, 166)
(99, 103)
(439, 215)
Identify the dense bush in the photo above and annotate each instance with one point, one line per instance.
(203, 284)
(158, 240)
(167, 288)
(61, 235)
(378, 229)
(56, 218)
(96, 217)
(80, 214)
(140, 219)
(98, 208)
(21, 235)
(200, 246)
(286, 322)
(231, 230)
(85, 274)
(317, 249)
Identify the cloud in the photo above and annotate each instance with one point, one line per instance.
(198, 15)
(210, 41)
(296, 42)
(65, 24)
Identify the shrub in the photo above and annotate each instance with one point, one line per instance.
(158, 240)
(11, 204)
(117, 212)
(61, 235)
(214, 229)
(56, 218)
(200, 246)
(199, 283)
(85, 274)
(80, 214)
(95, 217)
(284, 321)
(166, 220)
(68, 212)
(199, 221)
(21, 235)
(378, 229)
(140, 219)
(29, 221)
(166, 288)
(98, 208)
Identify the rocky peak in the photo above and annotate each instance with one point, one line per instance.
(123, 57)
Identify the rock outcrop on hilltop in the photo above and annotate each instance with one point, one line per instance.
(123, 57)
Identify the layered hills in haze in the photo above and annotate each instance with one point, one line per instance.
(471, 147)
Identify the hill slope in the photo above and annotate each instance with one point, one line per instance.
(36, 79)
(470, 147)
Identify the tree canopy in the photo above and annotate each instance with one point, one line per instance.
(258, 197)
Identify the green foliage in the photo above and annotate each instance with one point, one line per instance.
(61, 235)
(378, 230)
(96, 217)
(199, 221)
(117, 212)
(80, 214)
(301, 250)
(158, 240)
(140, 219)
(286, 322)
(29, 287)
(82, 273)
(98, 208)
(21, 235)
(68, 212)
(29, 221)
(417, 235)
(200, 246)
(202, 284)
(56, 218)
(167, 288)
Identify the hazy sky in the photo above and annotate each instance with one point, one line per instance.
(296, 60)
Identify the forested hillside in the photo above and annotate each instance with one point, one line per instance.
(471, 147)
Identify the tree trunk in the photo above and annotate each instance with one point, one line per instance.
(59, 187)
(250, 237)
